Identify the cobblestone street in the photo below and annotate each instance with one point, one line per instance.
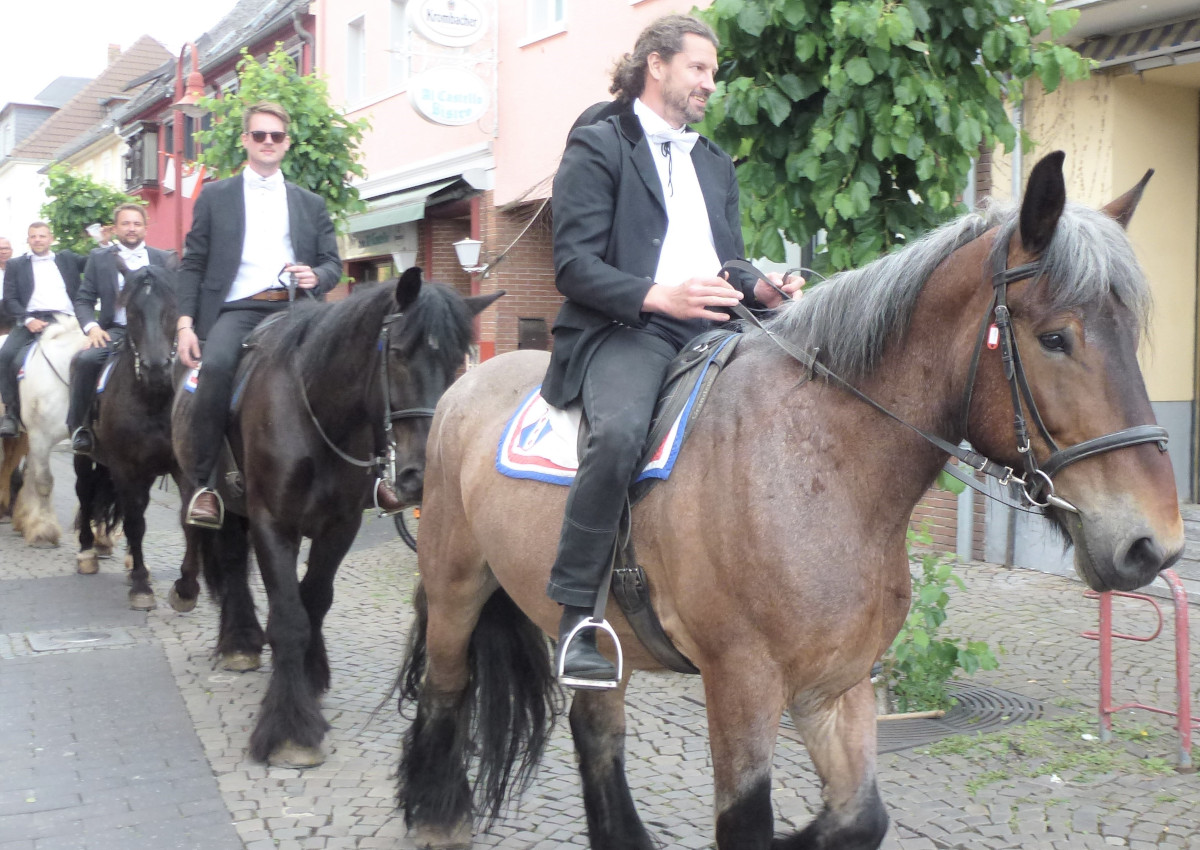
(138, 739)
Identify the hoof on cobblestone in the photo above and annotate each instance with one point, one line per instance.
(86, 563)
(290, 755)
(180, 604)
(142, 601)
(439, 838)
(241, 662)
(103, 550)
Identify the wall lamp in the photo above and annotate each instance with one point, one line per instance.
(468, 256)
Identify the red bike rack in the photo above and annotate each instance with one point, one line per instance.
(1105, 635)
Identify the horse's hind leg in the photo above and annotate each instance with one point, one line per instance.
(598, 727)
(225, 558)
(186, 589)
(86, 473)
(841, 742)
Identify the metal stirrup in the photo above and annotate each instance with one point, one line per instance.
(589, 684)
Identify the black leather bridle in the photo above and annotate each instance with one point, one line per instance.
(1037, 485)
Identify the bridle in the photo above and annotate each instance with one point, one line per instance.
(1037, 484)
(390, 417)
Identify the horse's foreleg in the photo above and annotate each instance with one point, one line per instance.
(316, 592)
(134, 496)
(290, 726)
(598, 727)
(85, 492)
(38, 523)
(743, 723)
(186, 588)
(841, 741)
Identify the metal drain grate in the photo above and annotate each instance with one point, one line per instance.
(980, 709)
(78, 639)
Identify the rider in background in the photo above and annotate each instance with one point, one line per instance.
(38, 287)
(103, 282)
(645, 214)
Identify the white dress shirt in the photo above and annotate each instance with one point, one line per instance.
(268, 244)
(134, 258)
(688, 250)
(49, 288)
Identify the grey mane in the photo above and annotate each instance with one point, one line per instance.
(852, 317)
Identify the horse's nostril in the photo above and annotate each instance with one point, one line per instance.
(1144, 556)
(411, 479)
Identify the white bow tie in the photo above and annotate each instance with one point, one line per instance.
(266, 185)
(683, 138)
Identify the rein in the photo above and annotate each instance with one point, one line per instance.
(389, 416)
(1038, 480)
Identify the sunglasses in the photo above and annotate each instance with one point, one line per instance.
(260, 136)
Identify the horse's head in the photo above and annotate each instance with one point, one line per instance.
(427, 337)
(1076, 323)
(148, 297)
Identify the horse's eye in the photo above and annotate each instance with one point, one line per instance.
(1055, 341)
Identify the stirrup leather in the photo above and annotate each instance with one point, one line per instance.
(220, 510)
(589, 684)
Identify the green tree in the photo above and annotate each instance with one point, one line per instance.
(861, 116)
(324, 151)
(76, 201)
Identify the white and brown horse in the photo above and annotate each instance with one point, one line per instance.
(776, 550)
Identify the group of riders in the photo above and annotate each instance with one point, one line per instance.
(645, 214)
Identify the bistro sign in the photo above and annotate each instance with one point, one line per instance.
(453, 23)
(452, 96)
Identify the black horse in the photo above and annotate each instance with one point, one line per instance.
(133, 427)
(314, 397)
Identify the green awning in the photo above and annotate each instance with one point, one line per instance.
(396, 208)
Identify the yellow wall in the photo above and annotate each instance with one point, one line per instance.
(1112, 129)
(1159, 128)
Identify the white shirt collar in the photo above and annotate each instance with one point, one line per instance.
(255, 180)
(49, 255)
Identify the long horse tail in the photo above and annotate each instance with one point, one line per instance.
(503, 717)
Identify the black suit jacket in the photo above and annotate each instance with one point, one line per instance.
(610, 219)
(18, 281)
(213, 248)
(100, 283)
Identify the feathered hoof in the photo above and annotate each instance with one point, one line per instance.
(142, 601)
(439, 838)
(291, 755)
(177, 602)
(86, 564)
(241, 662)
(103, 550)
(129, 563)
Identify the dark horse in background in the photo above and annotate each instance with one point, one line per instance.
(318, 386)
(132, 428)
(12, 449)
(775, 552)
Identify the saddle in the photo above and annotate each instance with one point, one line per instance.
(690, 377)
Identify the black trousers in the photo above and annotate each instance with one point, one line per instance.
(214, 390)
(12, 354)
(620, 388)
(85, 371)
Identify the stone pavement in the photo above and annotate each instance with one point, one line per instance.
(117, 729)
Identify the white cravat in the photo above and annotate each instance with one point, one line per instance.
(134, 259)
(49, 288)
(688, 250)
(267, 246)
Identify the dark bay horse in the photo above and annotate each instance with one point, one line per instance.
(133, 429)
(775, 552)
(320, 381)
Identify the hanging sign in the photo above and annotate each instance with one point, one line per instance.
(452, 96)
(453, 23)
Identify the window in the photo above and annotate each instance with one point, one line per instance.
(356, 60)
(141, 157)
(546, 16)
(398, 66)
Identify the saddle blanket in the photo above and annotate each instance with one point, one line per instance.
(29, 352)
(191, 379)
(102, 382)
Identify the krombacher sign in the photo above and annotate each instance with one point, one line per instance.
(453, 23)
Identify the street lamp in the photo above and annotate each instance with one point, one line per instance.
(188, 101)
(468, 255)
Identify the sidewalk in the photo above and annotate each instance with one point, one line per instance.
(137, 739)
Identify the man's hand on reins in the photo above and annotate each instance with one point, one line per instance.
(769, 296)
(187, 345)
(97, 337)
(305, 277)
(692, 299)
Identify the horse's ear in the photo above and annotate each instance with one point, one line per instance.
(1045, 197)
(1123, 207)
(121, 267)
(408, 287)
(478, 303)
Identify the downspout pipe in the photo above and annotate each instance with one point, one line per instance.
(309, 56)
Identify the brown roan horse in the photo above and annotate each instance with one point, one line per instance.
(775, 552)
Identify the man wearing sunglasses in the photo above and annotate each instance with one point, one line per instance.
(254, 236)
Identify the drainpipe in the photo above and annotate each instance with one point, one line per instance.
(308, 57)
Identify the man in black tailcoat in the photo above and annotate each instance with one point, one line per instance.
(645, 214)
(103, 282)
